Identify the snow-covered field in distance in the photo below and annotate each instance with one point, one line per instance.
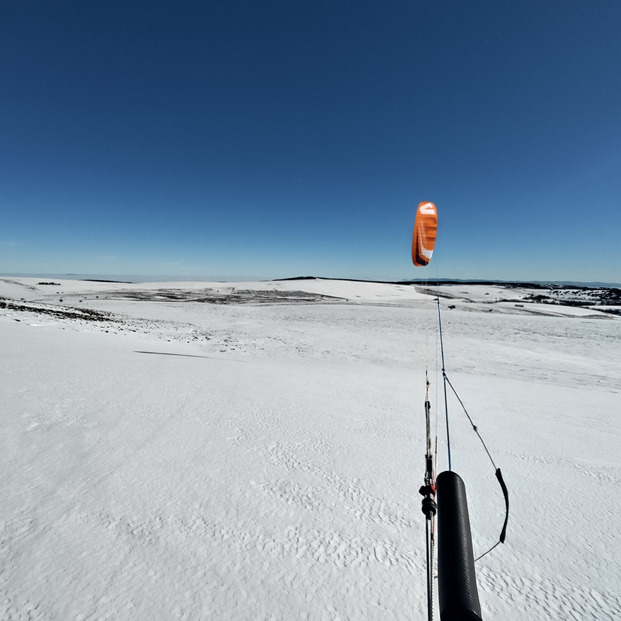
(254, 450)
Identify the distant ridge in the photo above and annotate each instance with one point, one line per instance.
(538, 284)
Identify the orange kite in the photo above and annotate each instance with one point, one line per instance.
(424, 238)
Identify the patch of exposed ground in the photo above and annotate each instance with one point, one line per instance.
(233, 296)
(84, 314)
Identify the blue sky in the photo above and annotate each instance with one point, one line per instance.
(278, 138)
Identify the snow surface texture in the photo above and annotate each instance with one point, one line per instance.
(259, 456)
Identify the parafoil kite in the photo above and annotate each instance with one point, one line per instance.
(424, 238)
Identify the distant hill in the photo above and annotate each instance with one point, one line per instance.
(537, 284)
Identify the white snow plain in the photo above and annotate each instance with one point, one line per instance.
(164, 457)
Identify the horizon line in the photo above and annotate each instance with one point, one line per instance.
(137, 278)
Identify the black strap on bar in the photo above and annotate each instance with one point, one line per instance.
(505, 493)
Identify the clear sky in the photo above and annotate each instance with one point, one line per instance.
(278, 138)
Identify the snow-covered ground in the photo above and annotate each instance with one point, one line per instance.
(254, 450)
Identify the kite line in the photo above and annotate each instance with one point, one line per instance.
(445, 495)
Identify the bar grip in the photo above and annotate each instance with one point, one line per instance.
(457, 585)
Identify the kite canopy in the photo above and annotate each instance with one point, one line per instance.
(424, 238)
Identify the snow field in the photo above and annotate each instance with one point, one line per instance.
(196, 461)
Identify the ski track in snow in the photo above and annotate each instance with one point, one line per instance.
(184, 460)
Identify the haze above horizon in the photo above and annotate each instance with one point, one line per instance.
(274, 139)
